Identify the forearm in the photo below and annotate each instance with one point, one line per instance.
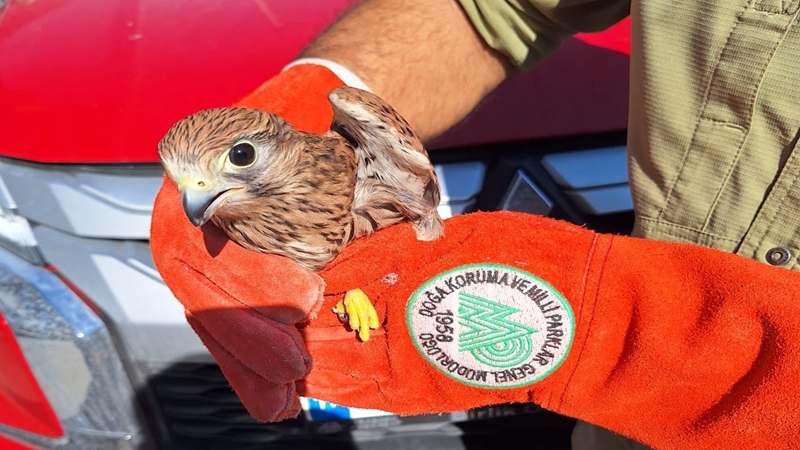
(422, 56)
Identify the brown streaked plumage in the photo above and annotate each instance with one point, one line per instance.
(303, 196)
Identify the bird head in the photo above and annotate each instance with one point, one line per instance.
(217, 157)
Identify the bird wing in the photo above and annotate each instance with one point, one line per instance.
(396, 180)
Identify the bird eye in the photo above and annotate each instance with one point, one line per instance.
(242, 154)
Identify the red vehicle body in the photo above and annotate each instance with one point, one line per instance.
(87, 89)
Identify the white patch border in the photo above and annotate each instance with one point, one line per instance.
(542, 283)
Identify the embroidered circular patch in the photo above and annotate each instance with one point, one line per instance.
(491, 326)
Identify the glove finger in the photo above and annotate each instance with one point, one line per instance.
(299, 95)
(272, 350)
(264, 400)
(275, 286)
(347, 371)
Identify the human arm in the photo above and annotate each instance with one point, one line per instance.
(435, 60)
(422, 56)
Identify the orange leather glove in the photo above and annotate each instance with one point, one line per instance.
(245, 306)
(674, 345)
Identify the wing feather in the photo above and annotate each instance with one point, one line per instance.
(396, 179)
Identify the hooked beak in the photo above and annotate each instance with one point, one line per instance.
(200, 203)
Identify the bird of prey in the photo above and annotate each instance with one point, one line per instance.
(274, 189)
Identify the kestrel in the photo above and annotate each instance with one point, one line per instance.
(274, 189)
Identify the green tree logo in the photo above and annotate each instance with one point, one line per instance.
(489, 335)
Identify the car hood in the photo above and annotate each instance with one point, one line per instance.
(86, 81)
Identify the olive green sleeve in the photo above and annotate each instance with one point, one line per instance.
(528, 30)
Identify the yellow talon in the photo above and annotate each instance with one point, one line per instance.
(358, 312)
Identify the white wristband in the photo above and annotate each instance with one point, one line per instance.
(344, 74)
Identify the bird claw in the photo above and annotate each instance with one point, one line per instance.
(357, 311)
